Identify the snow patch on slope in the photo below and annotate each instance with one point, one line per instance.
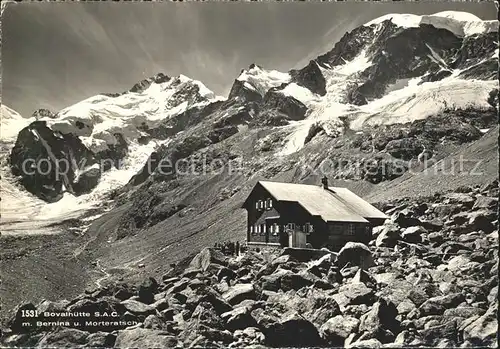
(261, 80)
(430, 98)
(457, 22)
(16, 202)
(302, 94)
(11, 123)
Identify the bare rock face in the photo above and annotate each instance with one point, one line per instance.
(310, 77)
(44, 160)
(144, 84)
(43, 113)
(240, 90)
(287, 105)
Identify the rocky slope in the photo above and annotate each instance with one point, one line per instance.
(429, 277)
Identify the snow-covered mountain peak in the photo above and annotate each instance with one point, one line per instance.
(459, 23)
(202, 89)
(261, 80)
(459, 16)
(97, 118)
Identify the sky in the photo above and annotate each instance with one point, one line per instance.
(55, 54)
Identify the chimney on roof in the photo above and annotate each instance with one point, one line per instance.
(324, 182)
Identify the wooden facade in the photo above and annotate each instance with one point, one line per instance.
(286, 223)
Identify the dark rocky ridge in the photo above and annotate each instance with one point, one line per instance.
(290, 107)
(429, 277)
(310, 77)
(240, 90)
(403, 53)
(38, 146)
(43, 113)
(50, 163)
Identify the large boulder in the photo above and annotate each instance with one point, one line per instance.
(413, 234)
(273, 282)
(388, 237)
(292, 331)
(138, 308)
(307, 254)
(249, 336)
(147, 290)
(293, 281)
(239, 293)
(337, 329)
(485, 202)
(355, 253)
(353, 294)
(438, 305)
(206, 257)
(482, 330)
(405, 218)
(433, 335)
(481, 220)
(207, 295)
(380, 322)
(239, 319)
(50, 306)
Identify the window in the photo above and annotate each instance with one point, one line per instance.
(259, 205)
(258, 229)
(262, 229)
(350, 229)
(275, 229)
(269, 204)
(251, 229)
(291, 226)
(308, 228)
